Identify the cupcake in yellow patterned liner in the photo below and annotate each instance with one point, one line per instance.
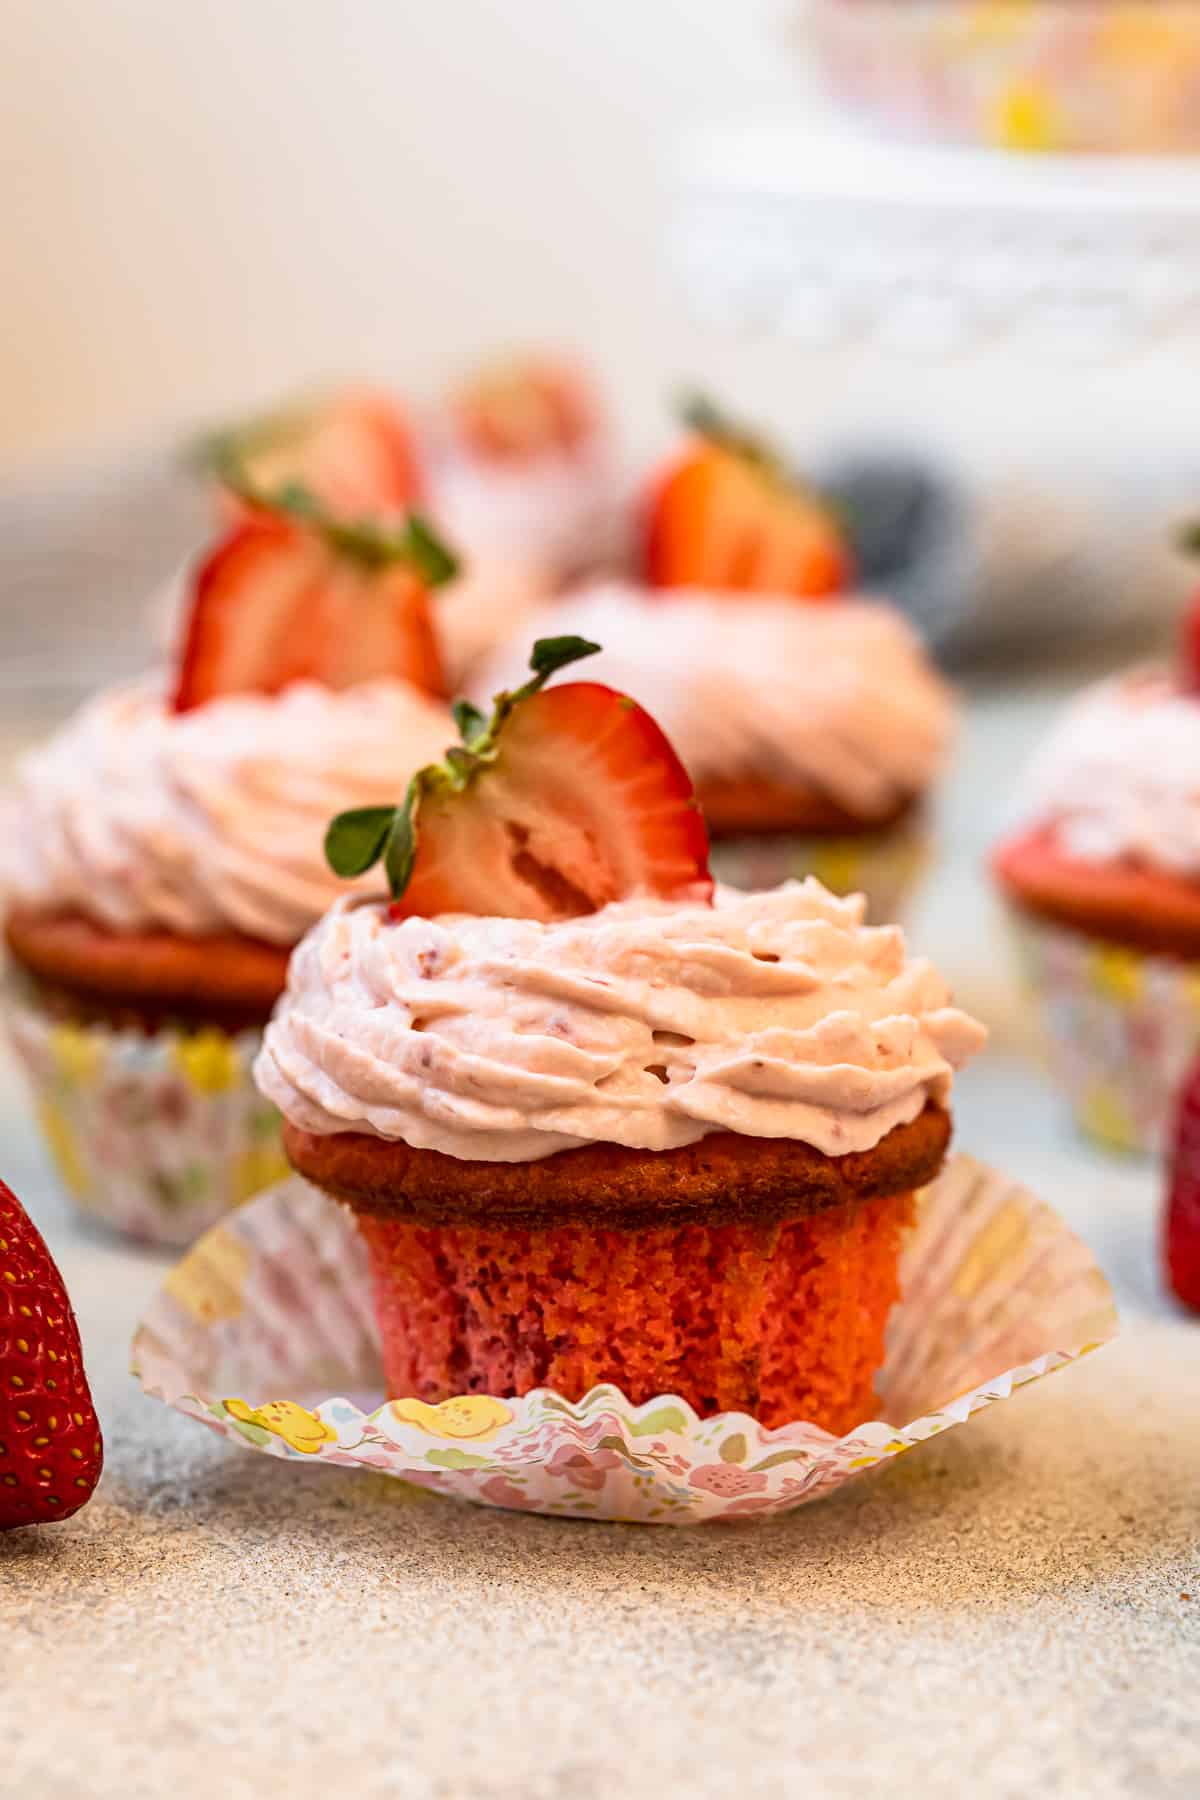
(161, 855)
(813, 732)
(1121, 1028)
(996, 1292)
(1046, 75)
(157, 1135)
(1103, 877)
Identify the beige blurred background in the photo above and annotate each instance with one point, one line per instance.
(208, 206)
(210, 203)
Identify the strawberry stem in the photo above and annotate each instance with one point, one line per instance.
(223, 452)
(364, 541)
(358, 839)
(703, 416)
(470, 721)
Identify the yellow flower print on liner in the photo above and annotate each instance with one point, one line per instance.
(467, 1416)
(1103, 1114)
(302, 1430)
(208, 1283)
(257, 1169)
(209, 1061)
(64, 1148)
(1116, 972)
(1191, 988)
(77, 1052)
(1000, 1242)
(1026, 118)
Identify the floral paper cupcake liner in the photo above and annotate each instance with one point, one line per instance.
(271, 1312)
(1119, 1026)
(1057, 75)
(157, 1135)
(886, 866)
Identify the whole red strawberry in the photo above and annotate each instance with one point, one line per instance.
(1182, 1238)
(50, 1448)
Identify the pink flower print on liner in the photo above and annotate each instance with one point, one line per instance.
(502, 1492)
(726, 1480)
(744, 1509)
(791, 1484)
(584, 1469)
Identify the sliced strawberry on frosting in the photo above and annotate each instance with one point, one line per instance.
(291, 594)
(728, 516)
(565, 799)
(522, 408)
(354, 450)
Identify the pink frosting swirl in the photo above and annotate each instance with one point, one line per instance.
(1120, 774)
(776, 1015)
(211, 820)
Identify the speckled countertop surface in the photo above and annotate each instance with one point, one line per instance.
(1012, 1610)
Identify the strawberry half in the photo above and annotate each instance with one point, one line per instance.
(565, 799)
(292, 594)
(1181, 1243)
(728, 517)
(50, 1447)
(522, 408)
(354, 450)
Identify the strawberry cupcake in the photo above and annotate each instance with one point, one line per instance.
(597, 1121)
(813, 733)
(521, 471)
(163, 853)
(1103, 879)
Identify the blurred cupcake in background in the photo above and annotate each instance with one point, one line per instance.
(814, 725)
(522, 468)
(163, 852)
(1103, 878)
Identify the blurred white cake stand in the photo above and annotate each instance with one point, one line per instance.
(823, 235)
(1052, 298)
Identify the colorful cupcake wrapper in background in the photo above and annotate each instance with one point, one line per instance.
(158, 1135)
(886, 866)
(272, 1310)
(1058, 75)
(1119, 1026)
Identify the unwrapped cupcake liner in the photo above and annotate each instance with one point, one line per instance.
(1062, 75)
(887, 866)
(1119, 1026)
(158, 1135)
(272, 1311)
